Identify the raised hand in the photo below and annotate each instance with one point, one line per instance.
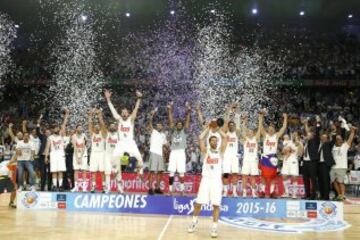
(107, 94)
(188, 106)
(138, 94)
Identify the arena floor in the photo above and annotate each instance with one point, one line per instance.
(19, 224)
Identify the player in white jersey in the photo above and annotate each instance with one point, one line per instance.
(231, 161)
(210, 189)
(178, 139)
(112, 163)
(126, 143)
(292, 150)
(270, 147)
(55, 148)
(7, 172)
(157, 142)
(97, 155)
(80, 159)
(250, 164)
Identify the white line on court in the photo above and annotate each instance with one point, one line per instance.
(165, 227)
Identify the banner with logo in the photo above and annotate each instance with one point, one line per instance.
(179, 205)
(135, 183)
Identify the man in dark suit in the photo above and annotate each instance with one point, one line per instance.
(324, 165)
(311, 159)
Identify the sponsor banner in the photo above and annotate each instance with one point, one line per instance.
(177, 205)
(134, 183)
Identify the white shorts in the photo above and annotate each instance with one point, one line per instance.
(210, 191)
(111, 164)
(97, 162)
(83, 165)
(230, 163)
(290, 168)
(177, 161)
(129, 147)
(57, 162)
(250, 167)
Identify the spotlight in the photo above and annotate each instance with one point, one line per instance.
(302, 13)
(127, 14)
(350, 16)
(16, 26)
(254, 11)
(172, 12)
(84, 18)
(212, 10)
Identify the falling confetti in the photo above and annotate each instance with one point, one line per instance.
(7, 36)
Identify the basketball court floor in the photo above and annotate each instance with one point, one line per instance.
(32, 224)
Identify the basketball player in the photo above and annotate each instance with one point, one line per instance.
(290, 169)
(178, 135)
(231, 161)
(157, 142)
(250, 165)
(6, 182)
(268, 161)
(211, 183)
(112, 163)
(55, 148)
(126, 141)
(80, 158)
(97, 155)
(338, 171)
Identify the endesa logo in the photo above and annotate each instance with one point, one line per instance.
(30, 199)
(328, 210)
(312, 214)
(61, 205)
(310, 225)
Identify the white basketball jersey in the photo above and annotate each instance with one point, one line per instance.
(212, 166)
(251, 148)
(79, 143)
(111, 141)
(57, 144)
(217, 135)
(293, 149)
(126, 129)
(232, 146)
(270, 144)
(97, 143)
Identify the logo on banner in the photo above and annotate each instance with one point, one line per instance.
(61, 197)
(187, 207)
(311, 206)
(328, 210)
(30, 199)
(311, 225)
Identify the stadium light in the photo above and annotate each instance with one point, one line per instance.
(302, 13)
(172, 12)
(254, 11)
(127, 14)
(16, 26)
(212, 10)
(350, 16)
(84, 18)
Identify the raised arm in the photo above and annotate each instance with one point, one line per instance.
(90, 121)
(202, 137)
(351, 136)
(223, 141)
(225, 128)
(137, 106)
(200, 116)
(284, 126)
(258, 133)
(150, 123)
(24, 126)
(188, 115)
(170, 108)
(306, 126)
(261, 126)
(11, 132)
(64, 123)
(103, 128)
(108, 94)
(243, 127)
